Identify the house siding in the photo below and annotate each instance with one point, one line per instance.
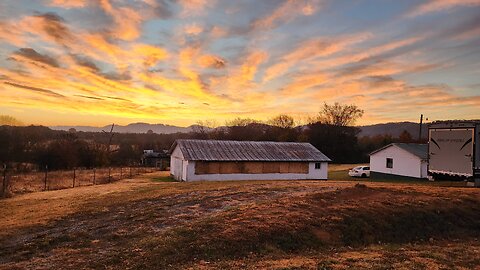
(404, 163)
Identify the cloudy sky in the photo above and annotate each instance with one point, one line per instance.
(94, 62)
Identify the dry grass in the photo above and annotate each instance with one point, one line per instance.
(343, 167)
(35, 181)
(42, 207)
(144, 224)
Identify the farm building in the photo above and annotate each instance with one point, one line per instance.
(151, 158)
(204, 160)
(400, 160)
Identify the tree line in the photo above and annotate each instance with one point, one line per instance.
(331, 131)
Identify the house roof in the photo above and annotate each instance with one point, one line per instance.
(417, 149)
(214, 150)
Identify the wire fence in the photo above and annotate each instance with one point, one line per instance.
(43, 180)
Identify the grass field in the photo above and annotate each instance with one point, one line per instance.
(152, 223)
(339, 172)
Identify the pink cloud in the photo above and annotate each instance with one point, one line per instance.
(440, 5)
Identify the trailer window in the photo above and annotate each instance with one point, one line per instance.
(389, 162)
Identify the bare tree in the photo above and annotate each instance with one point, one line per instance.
(339, 115)
(206, 124)
(282, 121)
(8, 120)
(110, 135)
(109, 149)
(241, 122)
(203, 127)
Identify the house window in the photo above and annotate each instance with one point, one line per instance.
(389, 162)
(318, 165)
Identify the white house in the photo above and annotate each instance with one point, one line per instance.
(405, 160)
(212, 160)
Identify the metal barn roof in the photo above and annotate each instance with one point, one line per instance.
(417, 149)
(214, 150)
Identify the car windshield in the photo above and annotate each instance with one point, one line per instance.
(357, 168)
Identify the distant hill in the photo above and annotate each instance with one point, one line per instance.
(130, 128)
(394, 129)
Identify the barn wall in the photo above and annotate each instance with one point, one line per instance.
(404, 163)
(177, 164)
(312, 173)
(186, 164)
(231, 167)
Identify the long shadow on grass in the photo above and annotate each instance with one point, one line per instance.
(174, 231)
(322, 224)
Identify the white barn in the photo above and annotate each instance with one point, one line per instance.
(404, 160)
(213, 160)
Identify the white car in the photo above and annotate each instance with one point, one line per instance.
(360, 171)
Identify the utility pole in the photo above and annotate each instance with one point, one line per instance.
(420, 129)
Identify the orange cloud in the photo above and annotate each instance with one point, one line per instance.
(302, 83)
(250, 66)
(68, 3)
(318, 47)
(439, 5)
(192, 29)
(149, 54)
(286, 12)
(218, 32)
(127, 21)
(354, 56)
(211, 61)
(193, 7)
(11, 34)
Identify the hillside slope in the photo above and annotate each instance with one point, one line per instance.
(394, 129)
(130, 128)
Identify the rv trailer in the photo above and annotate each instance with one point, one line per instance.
(454, 149)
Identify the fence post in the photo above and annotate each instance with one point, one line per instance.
(130, 171)
(121, 173)
(109, 177)
(94, 176)
(4, 183)
(46, 178)
(73, 177)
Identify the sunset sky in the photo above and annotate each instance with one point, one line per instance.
(94, 62)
